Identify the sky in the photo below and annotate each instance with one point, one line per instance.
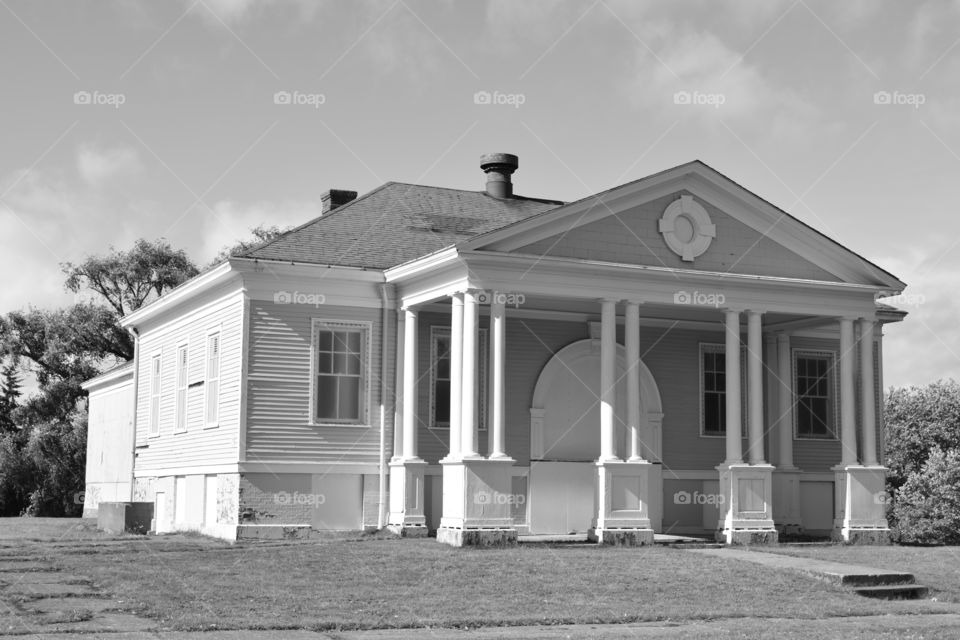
(197, 120)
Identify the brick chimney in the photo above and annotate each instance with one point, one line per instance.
(499, 167)
(335, 198)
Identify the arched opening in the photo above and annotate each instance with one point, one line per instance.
(565, 435)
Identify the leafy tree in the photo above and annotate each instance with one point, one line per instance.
(126, 280)
(42, 460)
(59, 448)
(919, 420)
(10, 385)
(927, 506)
(261, 235)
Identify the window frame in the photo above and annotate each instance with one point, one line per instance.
(155, 394)
(483, 356)
(207, 379)
(181, 384)
(715, 347)
(833, 385)
(366, 367)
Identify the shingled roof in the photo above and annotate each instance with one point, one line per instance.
(396, 223)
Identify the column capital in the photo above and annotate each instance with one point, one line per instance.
(755, 312)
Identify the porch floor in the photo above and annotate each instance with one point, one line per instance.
(659, 538)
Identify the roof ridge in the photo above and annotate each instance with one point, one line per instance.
(322, 216)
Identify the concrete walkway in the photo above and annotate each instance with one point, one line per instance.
(941, 626)
(834, 572)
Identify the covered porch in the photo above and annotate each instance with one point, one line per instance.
(588, 456)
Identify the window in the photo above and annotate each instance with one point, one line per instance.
(181, 421)
(713, 390)
(440, 377)
(340, 371)
(156, 369)
(212, 382)
(814, 394)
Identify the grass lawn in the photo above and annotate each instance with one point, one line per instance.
(935, 567)
(190, 582)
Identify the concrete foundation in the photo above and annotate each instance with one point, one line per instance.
(124, 517)
(863, 536)
(409, 530)
(622, 537)
(477, 537)
(747, 537)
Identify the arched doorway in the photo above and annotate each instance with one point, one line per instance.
(565, 435)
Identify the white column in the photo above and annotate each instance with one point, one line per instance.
(456, 372)
(410, 385)
(632, 343)
(468, 381)
(732, 358)
(398, 388)
(867, 400)
(498, 336)
(755, 387)
(608, 391)
(848, 425)
(784, 402)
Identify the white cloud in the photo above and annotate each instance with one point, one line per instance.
(97, 167)
(232, 222)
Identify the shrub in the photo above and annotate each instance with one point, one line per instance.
(927, 506)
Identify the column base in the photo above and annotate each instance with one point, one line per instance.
(477, 503)
(746, 512)
(861, 505)
(406, 517)
(624, 492)
(506, 537)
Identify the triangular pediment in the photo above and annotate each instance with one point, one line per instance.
(687, 218)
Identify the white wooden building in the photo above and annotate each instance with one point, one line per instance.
(485, 365)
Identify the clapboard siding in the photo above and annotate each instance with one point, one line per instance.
(199, 444)
(279, 377)
(633, 237)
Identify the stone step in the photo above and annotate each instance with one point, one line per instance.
(893, 591)
(877, 578)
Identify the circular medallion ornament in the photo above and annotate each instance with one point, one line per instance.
(686, 228)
